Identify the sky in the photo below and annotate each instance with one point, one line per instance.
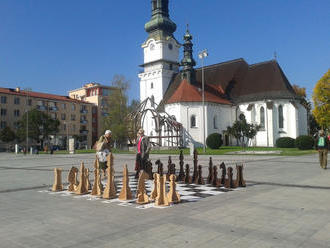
(55, 46)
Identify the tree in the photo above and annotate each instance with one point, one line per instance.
(7, 135)
(243, 131)
(321, 98)
(301, 92)
(116, 120)
(40, 125)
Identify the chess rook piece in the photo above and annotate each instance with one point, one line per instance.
(187, 178)
(141, 195)
(181, 172)
(240, 182)
(72, 179)
(110, 189)
(161, 199)
(97, 186)
(229, 181)
(215, 181)
(125, 193)
(149, 169)
(160, 167)
(199, 179)
(210, 176)
(154, 193)
(223, 173)
(195, 172)
(81, 189)
(88, 183)
(173, 196)
(57, 186)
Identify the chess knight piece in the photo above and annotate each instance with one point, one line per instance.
(125, 193)
(57, 186)
(141, 195)
(110, 189)
(72, 179)
(240, 182)
(161, 199)
(173, 196)
(81, 189)
(97, 186)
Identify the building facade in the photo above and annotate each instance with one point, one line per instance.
(74, 115)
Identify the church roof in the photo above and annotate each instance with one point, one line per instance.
(236, 81)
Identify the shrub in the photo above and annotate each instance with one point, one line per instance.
(214, 141)
(304, 142)
(285, 142)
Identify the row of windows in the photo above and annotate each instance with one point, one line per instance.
(3, 112)
(280, 117)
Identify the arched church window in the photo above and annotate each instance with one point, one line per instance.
(152, 85)
(193, 121)
(215, 122)
(280, 117)
(262, 117)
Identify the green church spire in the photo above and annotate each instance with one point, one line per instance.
(188, 61)
(160, 24)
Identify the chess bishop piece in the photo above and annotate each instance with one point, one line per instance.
(81, 189)
(110, 189)
(57, 186)
(181, 172)
(125, 193)
(97, 186)
(187, 178)
(173, 196)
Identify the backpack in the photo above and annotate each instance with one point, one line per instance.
(321, 142)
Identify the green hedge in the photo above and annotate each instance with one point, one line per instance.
(285, 142)
(214, 141)
(304, 142)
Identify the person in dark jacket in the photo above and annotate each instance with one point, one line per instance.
(322, 145)
(142, 152)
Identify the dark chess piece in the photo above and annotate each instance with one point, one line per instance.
(240, 182)
(195, 172)
(169, 165)
(187, 178)
(160, 167)
(210, 176)
(229, 181)
(215, 181)
(223, 173)
(149, 169)
(199, 178)
(181, 172)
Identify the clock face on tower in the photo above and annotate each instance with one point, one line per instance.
(152, 46)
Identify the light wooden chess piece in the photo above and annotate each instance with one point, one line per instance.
(57, 186)
(72, 179)
(161, 199)
(141, 195)
(97, 186)
(154, 194)
(88, 183)
(81, 189)
(110, 188)
(125, 193)
(173, 196)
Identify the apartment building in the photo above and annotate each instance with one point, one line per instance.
(75, 115)
(98, 95)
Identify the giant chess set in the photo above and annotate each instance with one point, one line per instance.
(159, 190)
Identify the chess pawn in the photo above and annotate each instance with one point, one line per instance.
(199, 179)
(142, 197)
(81, 189)
(97, 186)
(223, 173)
(173, 196)
(240, 182)
(187, 178)
(229, 181)
(72, 179)
(210, 176)
(125, 193)
(154, 193)
(88, 183)
(161, 199)
(57, 186)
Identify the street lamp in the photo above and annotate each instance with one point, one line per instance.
(202, 55)
(27, 90)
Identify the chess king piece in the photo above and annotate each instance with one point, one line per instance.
(88, 183)
(57, 186)
(199, 179)
(229, 181)
(187, 178)
(240, 182)
(195, 172)
(210, 176)
(215, 181)
(161, 199)
(72, 179)
(154, 193)
(97, 186)
(181, 172)
(125, 193)
(173, 196)
(223, 173)
(81, 189)
(141, 195)
(110, 189)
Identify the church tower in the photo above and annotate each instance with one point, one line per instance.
(161, 53)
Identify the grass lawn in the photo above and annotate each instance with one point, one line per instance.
(225, 150)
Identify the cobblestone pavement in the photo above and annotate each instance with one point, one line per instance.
(286, 205)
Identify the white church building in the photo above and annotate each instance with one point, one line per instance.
(259, 91)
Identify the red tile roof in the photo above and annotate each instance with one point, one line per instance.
(40, 95)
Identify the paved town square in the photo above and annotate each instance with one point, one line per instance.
(286, 204)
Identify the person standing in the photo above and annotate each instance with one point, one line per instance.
(142, 152)
(103, 148)
(322, 145)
